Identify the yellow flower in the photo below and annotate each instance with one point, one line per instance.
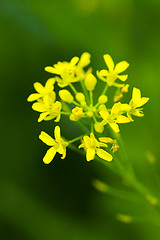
(66, 70)
(113, 72)
(57, 145)
(45, 92)
(136, 102)
(48, 113)
(72, 71)
(114, 117)
(92, 147)
(77, 113)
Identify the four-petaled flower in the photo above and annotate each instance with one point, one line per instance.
(45, 93)
(136, 102)
(57, 145)
(48, 113)
(70, 72)
(114, 117)
(92, 147)
(113, 72)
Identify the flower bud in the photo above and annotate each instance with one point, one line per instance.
(90, 82)
(98, 127)
(80, 97)
(66, 96)
(102, 99)
(77, 113)
(89, 114)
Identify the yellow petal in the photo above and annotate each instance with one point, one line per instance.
(39, 107)
(104, 155)
(44, 137)
(49, 155)
(42, 116)
(57, 133)
(122, 119)
(125, 107)
(121, 66)
(39, 87)
(136, 95)
(115, 127)
(46, 100)
(74, 61)
(122, 77)
(64, 154)
(87, 141)
(103, 73)
(104, 114)
(109, 62)
(142, 101)
(90, 154)
(50, 84)
(106, 139)
(33, 97)
(116, 108)
(60, 149)
(52, 70)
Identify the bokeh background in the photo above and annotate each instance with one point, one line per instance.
(57, 201)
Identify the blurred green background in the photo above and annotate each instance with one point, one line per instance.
(57, 201)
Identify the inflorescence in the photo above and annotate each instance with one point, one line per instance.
(79, 106)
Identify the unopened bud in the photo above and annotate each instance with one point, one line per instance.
(90, 82)
(66, 96)
(102, 99)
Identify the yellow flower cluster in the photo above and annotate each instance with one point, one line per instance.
(80, 105)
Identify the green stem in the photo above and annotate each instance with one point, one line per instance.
(91, 98)
(75, 139)
(105, 89)
(84, 91)
(73, 88)
(65, 113)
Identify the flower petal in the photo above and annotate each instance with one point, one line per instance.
(123, 78)
(109, 62)
(42, 116)
(87, 141)
(115, 127)
(136, 95)
(104, 114)
(103, 73)
(116, 108)
(104, 155)
(122, 119)
(57, 133)
(52, 70)
(50, 84)
(39, 107)
(44, 137)
(49, 155)
(90, 154)
(142, 101)
(33, 97)
(106, 139)
(121, 66)
(74, 61)
(39, 87)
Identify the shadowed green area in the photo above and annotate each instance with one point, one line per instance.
(57, 201)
